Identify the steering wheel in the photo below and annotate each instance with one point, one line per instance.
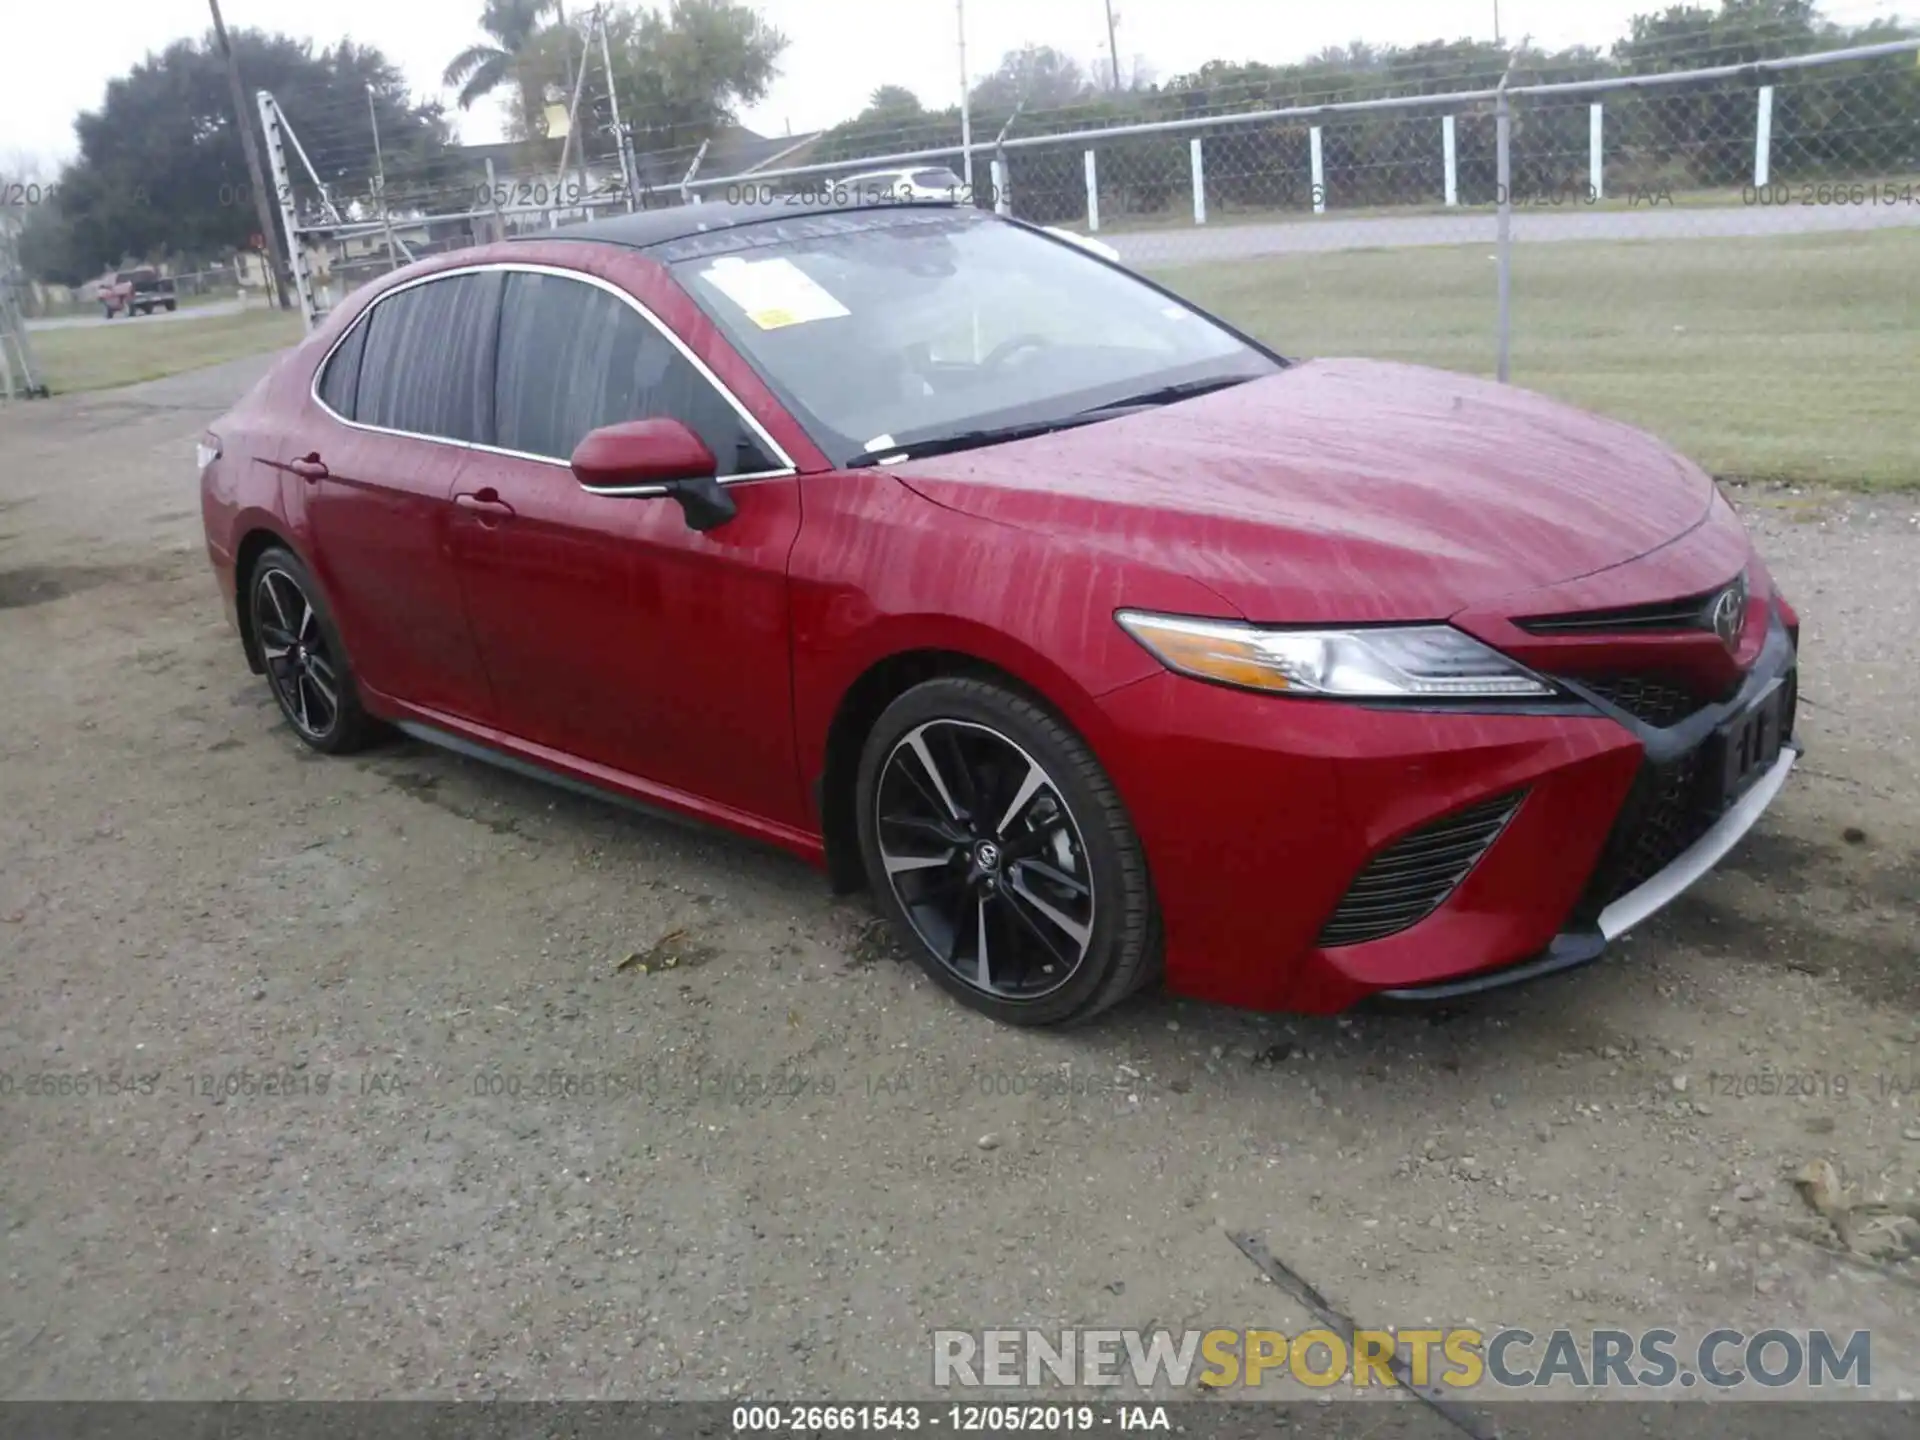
(1007, 349)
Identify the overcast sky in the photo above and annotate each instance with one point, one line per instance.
(59, 57)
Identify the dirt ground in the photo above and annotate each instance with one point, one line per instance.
(818, 1159)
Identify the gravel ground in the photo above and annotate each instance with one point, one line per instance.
(825, 1159)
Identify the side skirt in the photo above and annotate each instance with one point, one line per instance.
(599, 782)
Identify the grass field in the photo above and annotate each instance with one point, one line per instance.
(1783, 358)
(97, 357)
(1567, 198)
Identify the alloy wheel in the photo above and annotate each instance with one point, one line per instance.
(985, 859)
(301, 668)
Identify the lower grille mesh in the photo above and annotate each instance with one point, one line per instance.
(1407, 881)
(1648, 698)
(1667, 809)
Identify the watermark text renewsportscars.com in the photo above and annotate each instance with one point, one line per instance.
(1456, 1358)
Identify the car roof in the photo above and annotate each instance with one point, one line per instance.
(645, 229)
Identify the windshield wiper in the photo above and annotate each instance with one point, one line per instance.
(970, 439)
(1111, 409)
(1165, 395)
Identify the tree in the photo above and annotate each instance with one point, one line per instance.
(32, 218)
(479, 70)
(685, 73)
(1703, 134)
(893, 120)
(893, 100)
(1040, 74)
(161, 170)
(1686, 37)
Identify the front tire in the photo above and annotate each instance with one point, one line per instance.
(306, 665)
(1000, 851)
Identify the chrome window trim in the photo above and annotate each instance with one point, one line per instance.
(773, 447)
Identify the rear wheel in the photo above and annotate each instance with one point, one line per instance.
(1000, 850)
(305, 662)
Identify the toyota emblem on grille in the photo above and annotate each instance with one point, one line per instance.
(1730, 612)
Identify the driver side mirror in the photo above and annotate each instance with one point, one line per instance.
(659, 453)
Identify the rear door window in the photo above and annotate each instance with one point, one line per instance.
(575, 357)
(427, 361)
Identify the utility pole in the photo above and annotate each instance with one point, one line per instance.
(262, 212)
(1113, 45)
(573, 114)
(1496, 22)
(19, 375)
(966, 108)
(613, 105)
(380, 180)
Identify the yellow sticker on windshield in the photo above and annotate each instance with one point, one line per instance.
(774, 293)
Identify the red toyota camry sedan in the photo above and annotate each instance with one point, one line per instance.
(1099, 641)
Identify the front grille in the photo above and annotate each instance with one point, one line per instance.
(1650, 699)
(1407, 881)
(1689, 612)
(1666, 810)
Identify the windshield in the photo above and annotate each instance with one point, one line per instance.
(884, 331)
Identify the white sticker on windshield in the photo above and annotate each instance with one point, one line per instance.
(774, 293)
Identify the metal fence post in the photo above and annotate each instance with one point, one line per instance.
(1319, 172)
(1199, 167)
(1002, 197)
(1449, 150)
(1597, 151)
(1763, 137)
(1503, 140)
(493, 199)
(1093, 193)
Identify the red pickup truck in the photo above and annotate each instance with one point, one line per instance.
(137, 292)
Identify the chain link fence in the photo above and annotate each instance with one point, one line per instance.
(1727, 256)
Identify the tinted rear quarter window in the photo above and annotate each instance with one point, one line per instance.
(574, 357)
(427, 359)
(342, 375)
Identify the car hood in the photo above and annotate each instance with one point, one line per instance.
(1342, 489)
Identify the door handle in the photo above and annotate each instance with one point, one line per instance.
(309, 467)
(486, 503)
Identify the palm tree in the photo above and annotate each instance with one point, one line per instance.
(479, 70)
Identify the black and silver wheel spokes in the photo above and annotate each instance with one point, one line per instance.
(298, 662)
(985, 858)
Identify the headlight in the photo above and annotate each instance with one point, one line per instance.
(1407, 662)
(206, 453)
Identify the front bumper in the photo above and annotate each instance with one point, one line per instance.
(1257, 814)
(1574, 948)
